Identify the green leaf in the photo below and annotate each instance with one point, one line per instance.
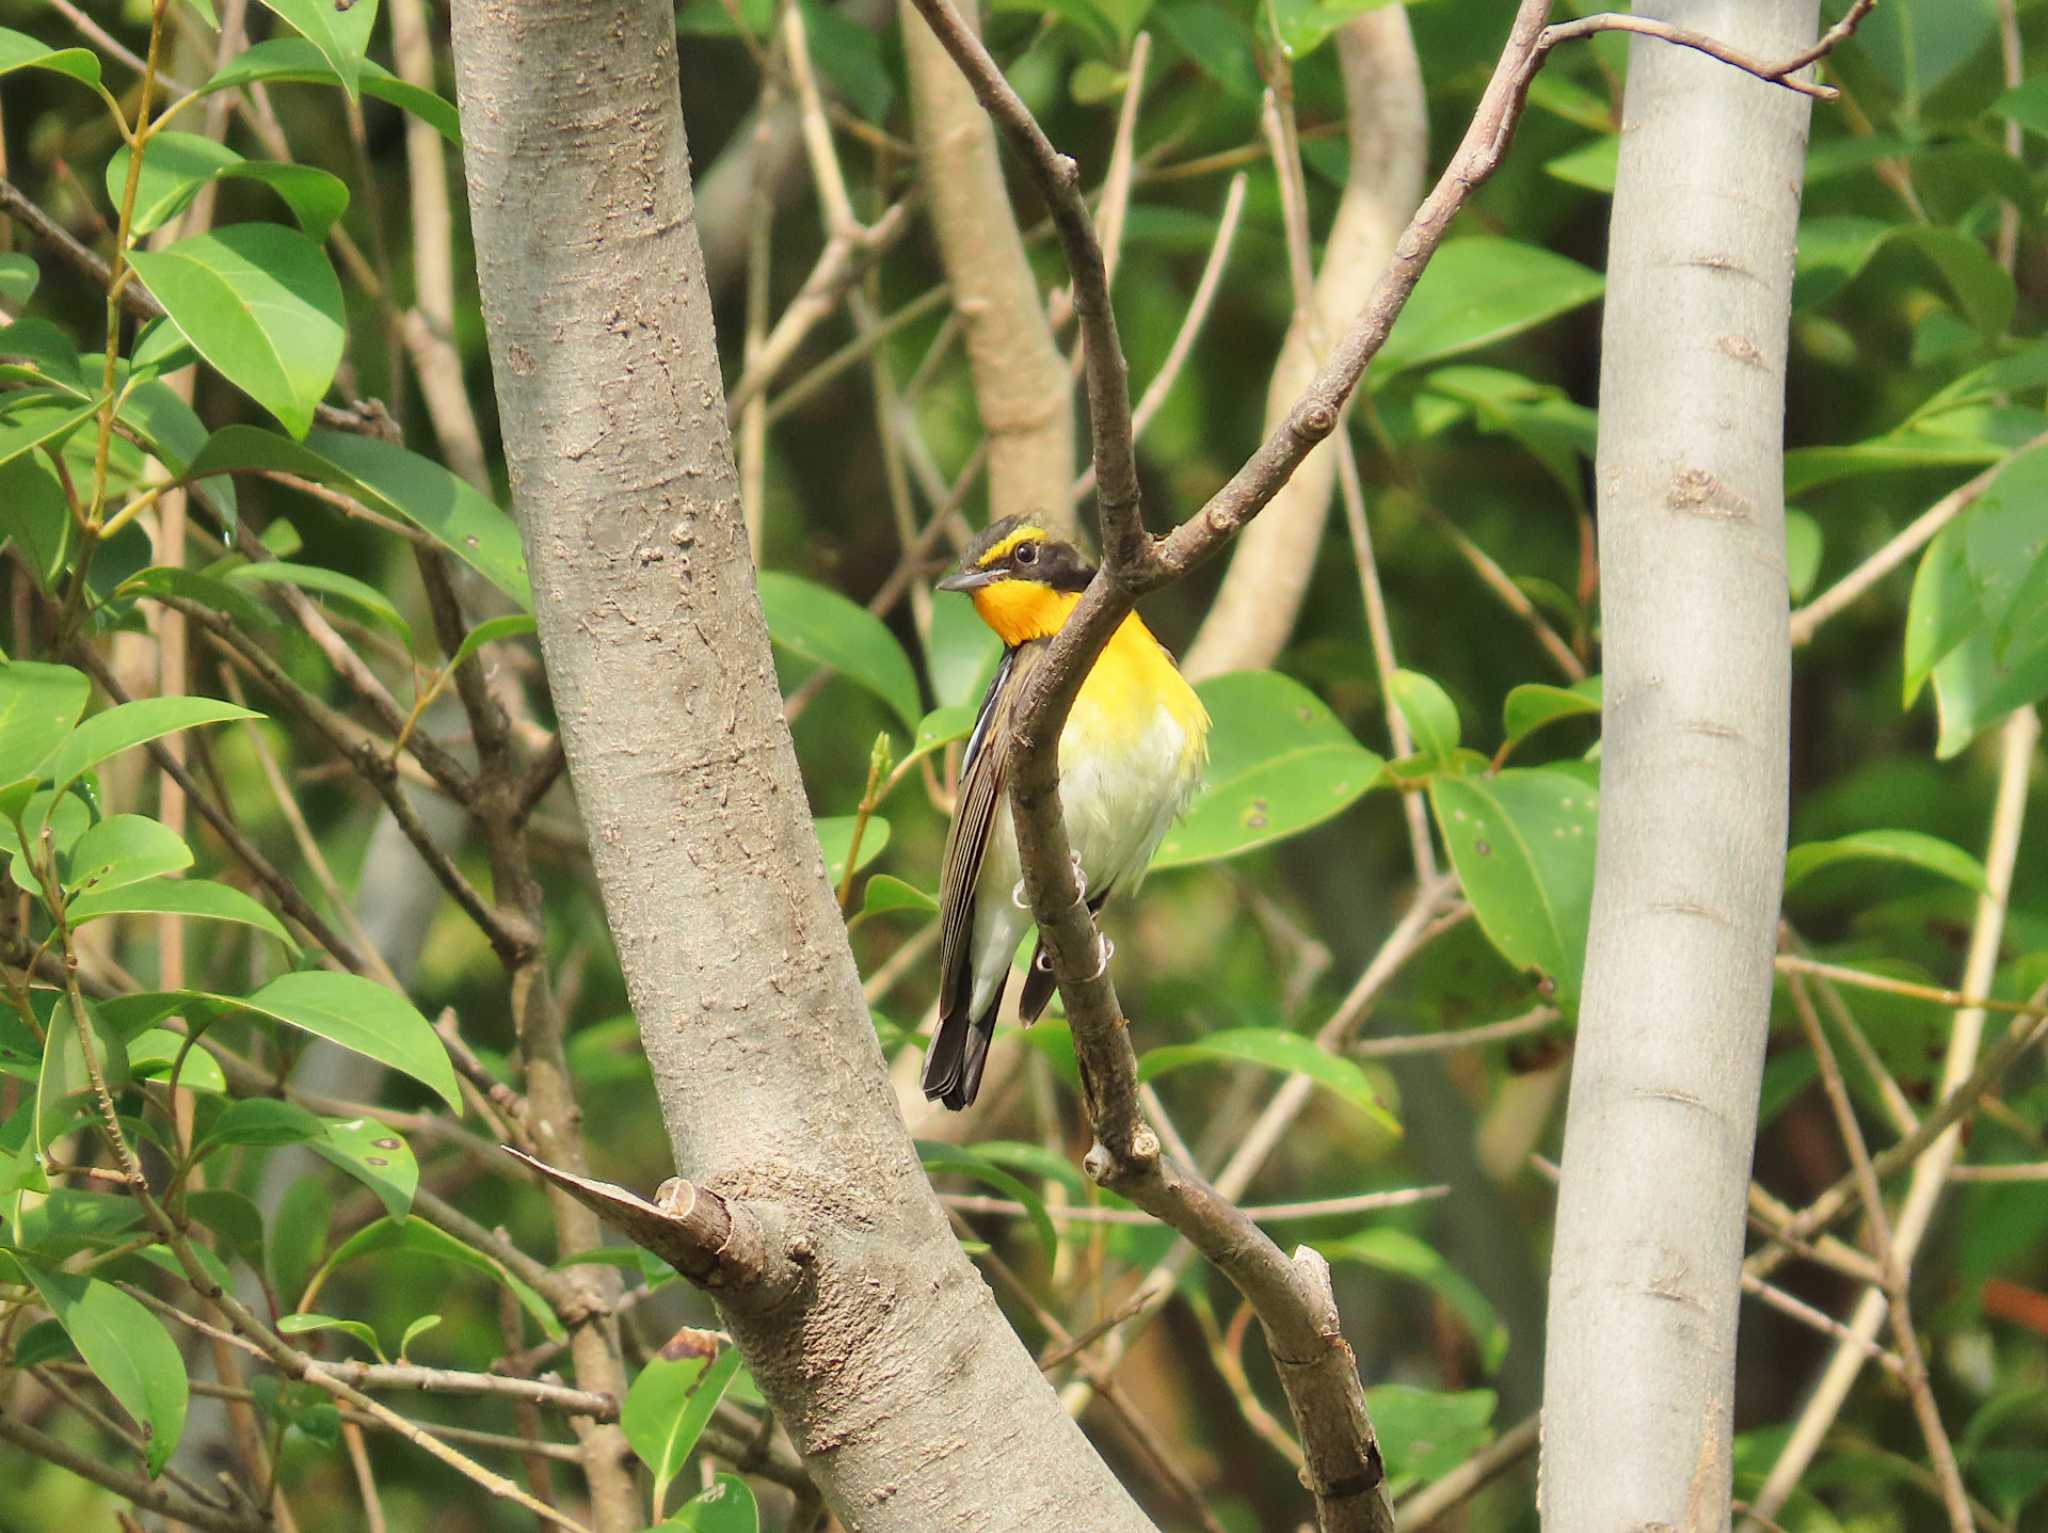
(298, 1233)
(668, 1406)
(1279, 763)
(40, 419)
(128, 725)
(1907, 846)
(824, 627)
(66, 1076)
(961, 653)
(153, 1051)
(19, 276)
(963, 1160)
(43, 1342)
(2027, 105)
(177, 166)
(835, 839)
(1432, 716)
(885, 893)
(160, 348)
(1529, 707)
(728, 1506)
(39, 704)
(388, 479)
(301, 1325)
(1304, 24)
(127, 1349)
(341, 35)
(359, 594)
(441, 504)
(490, 631)
(413, 1332)
(293, 60)
(1425, 1434)
(1592, 165)
(1833, 251)
(361, 1015)
(20, 51)
(1397, 1251)
(423, 1239)
(261, 304)
(1975, 687)
(201, 898)
(938, 729)
(1480, 290)
(1522, 844)
(125, 849)
(261, 1121)
(169, 580)
(36, 518)
(1274, 1049)
(374, 1155)
(1804, 542)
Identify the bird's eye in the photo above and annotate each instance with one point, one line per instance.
(1028, 554)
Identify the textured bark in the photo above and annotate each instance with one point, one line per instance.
(909, 1396)
(1639, 1377)
(1021, 384)
(1256, 606)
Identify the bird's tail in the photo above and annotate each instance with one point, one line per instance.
(959, 1051)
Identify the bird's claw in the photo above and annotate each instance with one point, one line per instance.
(1080, 877)
(1105, 950)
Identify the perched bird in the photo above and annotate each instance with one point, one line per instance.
(1131, 756)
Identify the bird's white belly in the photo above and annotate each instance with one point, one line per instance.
(1120, 790)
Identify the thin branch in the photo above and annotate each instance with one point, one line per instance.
(156, 1498)
(1425, 1507)
(1907, 542)
(1271, 1213)
(1536, 1020)
(1891, 1262)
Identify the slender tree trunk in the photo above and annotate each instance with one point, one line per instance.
(1644, 1284)
(909, 1396)
(1021, 384)
(1253, 614)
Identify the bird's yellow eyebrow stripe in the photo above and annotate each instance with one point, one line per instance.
(1002, 549)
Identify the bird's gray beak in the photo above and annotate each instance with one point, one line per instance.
(968, 580)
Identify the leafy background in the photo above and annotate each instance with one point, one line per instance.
(1915, 365)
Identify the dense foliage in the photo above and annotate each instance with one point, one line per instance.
(278, 781)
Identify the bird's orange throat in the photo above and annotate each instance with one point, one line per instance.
(1022, 610)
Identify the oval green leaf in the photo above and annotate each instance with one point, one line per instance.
(200, 898)
(127, 1349)
(423, 1239)
(128, 725)
(964, 1161)
(728, 1506)
(1906, 846)
(261, 304)
(1397, 1251)
(1481, 290)
(375, 1155)
(360, 1015)
(125, 849)
(301, 1325)
(1522, 844)
(20, 51)
(1274, 1049)
(668, 1407)
(1528, 708)
(1279, 763)
(39, 704)
(293, 60)
(1431, 715)
(824, 627)
(835, 840)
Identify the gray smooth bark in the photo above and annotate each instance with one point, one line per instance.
(1644, 1281)
(909, 1396)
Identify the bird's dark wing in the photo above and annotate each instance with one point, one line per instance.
(982, 769)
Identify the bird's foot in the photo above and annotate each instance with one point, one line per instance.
(1104, 949)
(1018, 899)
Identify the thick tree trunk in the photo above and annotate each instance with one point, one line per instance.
(1644, 1272)
(909, 1396)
